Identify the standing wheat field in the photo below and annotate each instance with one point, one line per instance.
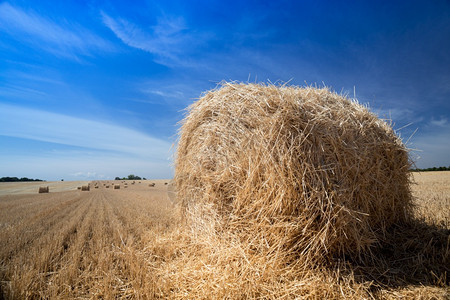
(130, 243)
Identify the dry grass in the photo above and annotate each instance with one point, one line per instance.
(433, 189)
(131, 244)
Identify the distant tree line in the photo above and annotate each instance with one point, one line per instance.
(130, 177)
(14, 179)
(432, 169)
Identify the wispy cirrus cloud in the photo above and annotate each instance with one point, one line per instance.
(167, 40)
(16, 121)
(442, 122)
(68, 41)
(88, 174)
(431, 148)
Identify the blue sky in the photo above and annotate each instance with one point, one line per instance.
(94, 89)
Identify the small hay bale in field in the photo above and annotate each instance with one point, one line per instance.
(151, 184)
(117, 187)
(125, 186)
(96, 187)
(43, 189)
(107, 186)
(79, 188)
(303, 169)
(85, 188)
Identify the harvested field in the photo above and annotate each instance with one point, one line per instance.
(11, 188)
(129, 243)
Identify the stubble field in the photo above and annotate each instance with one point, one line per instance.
(111, 243)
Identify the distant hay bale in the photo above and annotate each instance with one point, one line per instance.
(151, 184)
(85, 188)
(79, 188)
(96, 187)
(43, 189)
(107, 186)
(303, 169)
(125, 186)
(117, 187)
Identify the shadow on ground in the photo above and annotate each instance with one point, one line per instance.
(411, 254)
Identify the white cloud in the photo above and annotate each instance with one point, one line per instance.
(432, 148)
(40, 32)
(169, 39)
(45, 126)
(168, 92)
(82, 166)
(92, 175)
(442, 122)
(395, 114)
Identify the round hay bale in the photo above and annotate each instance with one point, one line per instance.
(85, 187)
(107, 186)
(151, 184)
(117, 187)
(303, 169)
(43, 189)
(79, 188)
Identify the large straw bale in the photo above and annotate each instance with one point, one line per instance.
(300, 169)
(85, 188)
